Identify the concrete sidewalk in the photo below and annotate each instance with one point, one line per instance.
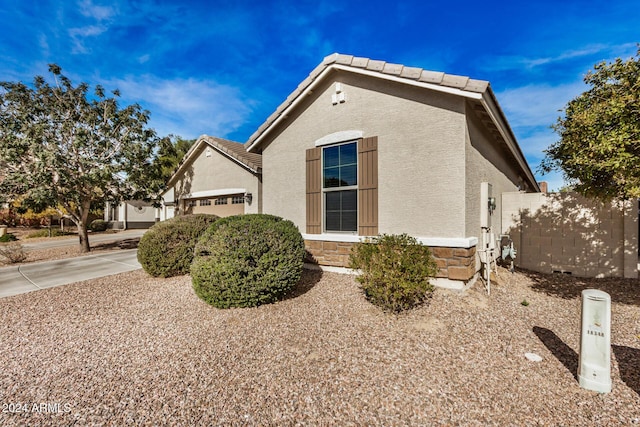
(32, 277)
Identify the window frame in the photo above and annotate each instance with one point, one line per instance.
(237, 200)
(205, 202)
(326, 190)
(220, 201)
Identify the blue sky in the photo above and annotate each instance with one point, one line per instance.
(222, 67)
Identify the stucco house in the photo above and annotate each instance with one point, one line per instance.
(130, 214)
(363, 147)
(216, 176)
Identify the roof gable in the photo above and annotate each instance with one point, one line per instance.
(234, 151)
(381, 69)
(479, 91)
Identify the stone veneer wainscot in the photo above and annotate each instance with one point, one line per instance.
(453, 263)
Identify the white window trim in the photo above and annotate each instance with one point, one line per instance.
(324, 191)
(214, 193)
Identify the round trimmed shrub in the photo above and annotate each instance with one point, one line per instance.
(166, 249)
(98, 225)
(395, 271)
(247, 260)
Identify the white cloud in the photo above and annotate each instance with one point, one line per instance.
(517, 62)
(78, 36)
(186, 107)
(539, 104)
(531, 110)
(534, 143)
(99, 13)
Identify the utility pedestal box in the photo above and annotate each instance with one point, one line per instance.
(594, 367)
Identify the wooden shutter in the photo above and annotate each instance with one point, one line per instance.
(314, 191)
(368, 186)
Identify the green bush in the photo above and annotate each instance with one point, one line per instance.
(44, 232)
(8, 238)
(166, 249)
(395, 271)
(247, 260)
(98, 225)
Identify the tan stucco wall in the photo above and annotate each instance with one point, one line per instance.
(567, 233)
(217, 172)
(421, 146)
(486, 162)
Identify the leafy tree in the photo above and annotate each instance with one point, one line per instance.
(599, 146)
(171, 152)
(61, 147)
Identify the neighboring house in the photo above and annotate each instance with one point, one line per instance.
(216, 176)
(365, 147)
(130, 214)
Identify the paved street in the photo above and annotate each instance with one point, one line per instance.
(73, 240)
(32, 277)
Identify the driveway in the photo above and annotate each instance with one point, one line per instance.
(32, 277)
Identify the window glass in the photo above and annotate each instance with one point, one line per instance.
(348, 154)
(341, 212)
(348, 175)
(331, 156)
(340, 169)
(331, 177)
(340, 166)
(349, 200)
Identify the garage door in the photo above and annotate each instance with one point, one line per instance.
(221, 206)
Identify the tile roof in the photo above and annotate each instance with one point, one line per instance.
(383, 68)
(235, 150)
(231, 149)
(482, 97)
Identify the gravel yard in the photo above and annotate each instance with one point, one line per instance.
(134, 350)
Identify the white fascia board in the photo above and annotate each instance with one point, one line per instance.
(425, 85)
(320, 77)
(214, 193)
(293, 105)
(444, 242)
(495, 113)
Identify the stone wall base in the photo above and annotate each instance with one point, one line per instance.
(453, 263)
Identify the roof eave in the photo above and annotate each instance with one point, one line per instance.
(491, 106)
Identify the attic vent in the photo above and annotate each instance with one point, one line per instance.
(339, 96)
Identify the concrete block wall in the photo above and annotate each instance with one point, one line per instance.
(565, 232)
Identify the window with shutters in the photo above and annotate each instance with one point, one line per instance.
(340, 187)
